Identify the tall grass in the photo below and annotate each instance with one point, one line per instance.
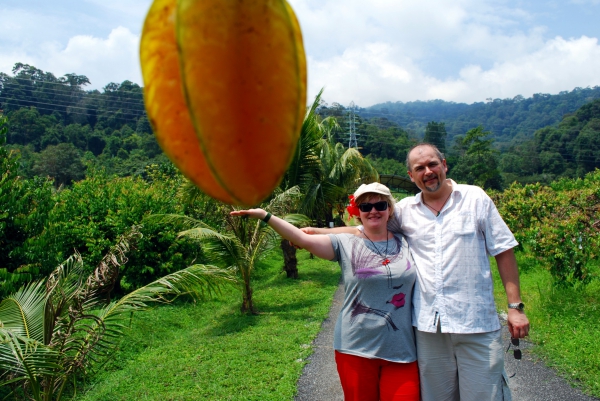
(210, 351)
(565, 322)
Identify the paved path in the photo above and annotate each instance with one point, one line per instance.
(533, 381)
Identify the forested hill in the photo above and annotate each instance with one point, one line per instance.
(507, 119)
(64, 131)
(60, 128)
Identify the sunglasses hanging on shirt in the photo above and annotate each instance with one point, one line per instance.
(379, 206)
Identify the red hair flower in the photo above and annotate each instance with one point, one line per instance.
(352, 208)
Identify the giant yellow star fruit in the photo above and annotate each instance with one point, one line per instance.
(225, 91)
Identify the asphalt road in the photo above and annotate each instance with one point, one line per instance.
(532, 381)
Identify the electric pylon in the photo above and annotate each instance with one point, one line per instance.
(352, 143)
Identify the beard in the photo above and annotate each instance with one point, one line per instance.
(435, 187)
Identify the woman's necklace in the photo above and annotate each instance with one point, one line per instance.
(434, 209)
(386, 261)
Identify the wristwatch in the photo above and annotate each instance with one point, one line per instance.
(518, 306)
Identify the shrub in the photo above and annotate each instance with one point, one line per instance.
(560, 223)
(91, 215)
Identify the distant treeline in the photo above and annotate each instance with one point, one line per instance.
(538, 139)
(62, 130)
(517, 118)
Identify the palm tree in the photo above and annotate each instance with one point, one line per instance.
(345, 168)
(52, 331)
(325, 172)
(242, 242)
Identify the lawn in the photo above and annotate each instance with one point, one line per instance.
(210, 351)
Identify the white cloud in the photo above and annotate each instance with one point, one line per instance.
(558, 65)
(366, 75)
(98, 39)
(20, 31)
(330, 27)
(102, 60)
(368, 52)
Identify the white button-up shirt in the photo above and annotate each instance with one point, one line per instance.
(454, 282)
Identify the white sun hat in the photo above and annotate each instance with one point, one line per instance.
(373, 187)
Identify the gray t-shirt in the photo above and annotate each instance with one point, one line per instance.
(375, 320)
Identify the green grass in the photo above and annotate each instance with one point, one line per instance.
(210, 351)
(565, 323)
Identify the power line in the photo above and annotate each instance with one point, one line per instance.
(116, 117)
(62, 84)
(68, 97)
(131, 112)
(130, 115)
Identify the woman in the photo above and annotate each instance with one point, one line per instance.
(373, 341)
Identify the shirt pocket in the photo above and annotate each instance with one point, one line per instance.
(463, 224)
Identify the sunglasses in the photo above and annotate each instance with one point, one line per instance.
(379, 206)
(516, 351)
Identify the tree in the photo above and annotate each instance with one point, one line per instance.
(345, 169)
(324, 171)
(58, 330)
(587, 147)
(558, 224)
(24, 208)
(435, 134)
(305, 173)
(241, 242)
(477, 161)
(28, 126)
(388, 166)
(61, 162)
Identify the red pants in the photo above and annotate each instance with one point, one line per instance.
(365, 379)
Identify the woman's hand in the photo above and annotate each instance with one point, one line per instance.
(254, 213)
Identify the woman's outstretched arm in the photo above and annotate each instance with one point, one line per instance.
(318, 245)
(335, 230)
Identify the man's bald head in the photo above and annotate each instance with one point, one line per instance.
(416, 148)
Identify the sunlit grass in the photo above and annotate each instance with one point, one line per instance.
(209, 351)
(565, 322)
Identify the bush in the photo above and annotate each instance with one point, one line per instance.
(560, 223)
(24, 207)
(91, 215)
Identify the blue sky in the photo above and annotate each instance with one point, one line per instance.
(366, 52)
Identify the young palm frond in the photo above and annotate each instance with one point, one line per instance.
(25, 359)
(198, 281)
(20, 311)
(351, 168)
(305, 168)
(52, 330)
(23, 355)
(243, 243)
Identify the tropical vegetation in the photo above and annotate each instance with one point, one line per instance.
(57, 329)
(81, 176)
(63, 131)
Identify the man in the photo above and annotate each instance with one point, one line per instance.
(451, 229)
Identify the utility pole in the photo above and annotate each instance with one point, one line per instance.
(352, 143)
